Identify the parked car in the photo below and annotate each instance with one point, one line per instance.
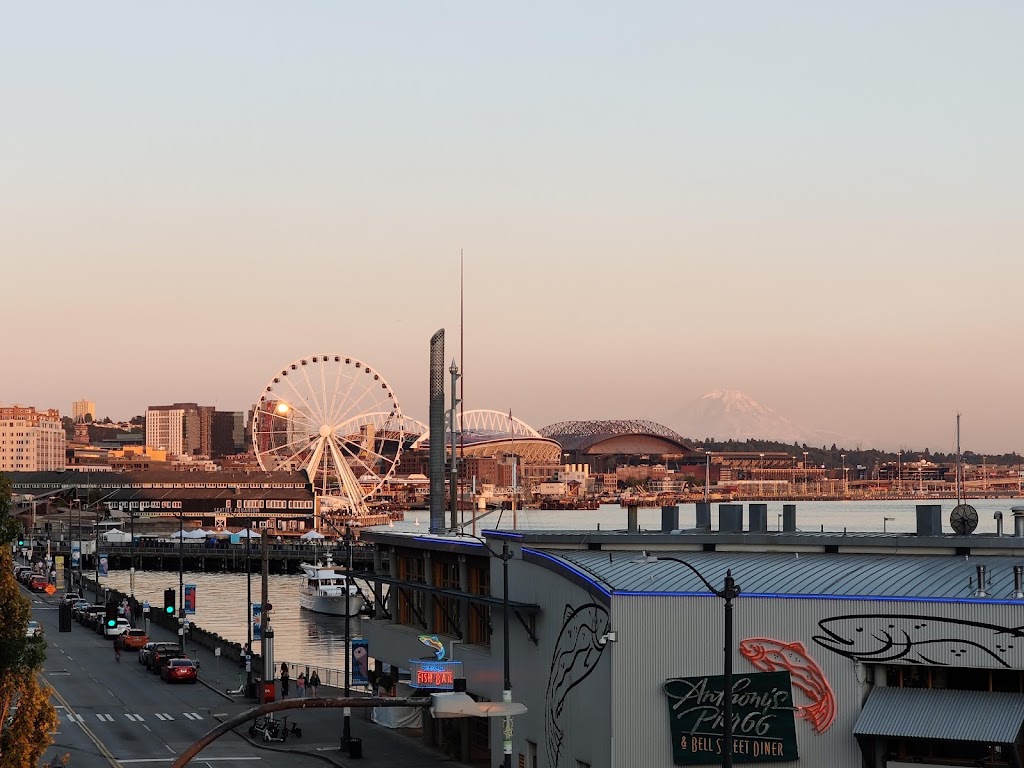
(78, 606)
(121, 626)
(146, 651)
(134, 639)
(71, 597)
(160, 656)
(93, 614)
(34, 629)
(179, 671)
(38, 583)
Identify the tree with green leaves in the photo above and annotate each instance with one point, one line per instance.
(27, 717)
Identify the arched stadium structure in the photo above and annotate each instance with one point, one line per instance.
(487, 433)
(603, 445)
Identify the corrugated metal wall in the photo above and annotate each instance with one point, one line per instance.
(584, 721)
(661, 637)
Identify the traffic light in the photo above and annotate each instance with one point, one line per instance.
(111, 615)
(21, 541)
(169, 602)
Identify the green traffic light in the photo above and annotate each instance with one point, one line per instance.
(169, 609)
(111, 623)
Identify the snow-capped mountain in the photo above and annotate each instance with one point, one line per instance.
(728, 414)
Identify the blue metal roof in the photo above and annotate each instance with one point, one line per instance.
(881, 576)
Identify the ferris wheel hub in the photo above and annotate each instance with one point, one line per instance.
(326, 430)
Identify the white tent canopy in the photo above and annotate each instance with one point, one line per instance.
(247, 533)
(312, 535)
(113, 532)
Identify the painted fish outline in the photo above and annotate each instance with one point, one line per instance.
(576, 654)
(769, 655)
(432, 642)
(900, 644)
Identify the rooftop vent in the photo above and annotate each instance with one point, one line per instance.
(730, 518)
(929, 519)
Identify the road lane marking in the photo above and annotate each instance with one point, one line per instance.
(192, 715)
(75, 718)
(105, 718)
(85, 729)
(171, 759)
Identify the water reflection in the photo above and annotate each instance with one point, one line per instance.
(299, 635)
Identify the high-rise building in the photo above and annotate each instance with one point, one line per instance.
(31, 440)
(189, 429)
(82, 408)
(174, 428)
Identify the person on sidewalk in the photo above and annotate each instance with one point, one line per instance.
(284, 680)
(300, 683)
(314, 683)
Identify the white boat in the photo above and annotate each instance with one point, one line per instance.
(327, 589)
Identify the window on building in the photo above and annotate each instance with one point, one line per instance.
(447, 610)
(411, 602)
(479, 613)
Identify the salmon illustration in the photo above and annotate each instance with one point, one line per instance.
(769, 655)
(577, 653)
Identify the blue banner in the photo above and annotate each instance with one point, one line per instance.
(257, 621)
(189, 598)
(76, 556)
(103, 565)
(360, 660)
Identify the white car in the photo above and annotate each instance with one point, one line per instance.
(34, 629)
(71, 597)
(122, 626)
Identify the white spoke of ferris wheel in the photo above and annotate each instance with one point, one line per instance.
(353, 405)
(321, 405)
(300, 449)
(334, 390)
(350, 485)
(344, 398)
(359, 450)
(293, 412)
(305, 401)
(278, 449)
(314, 461)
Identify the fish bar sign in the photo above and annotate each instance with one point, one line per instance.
(434, 675)
(762, 716)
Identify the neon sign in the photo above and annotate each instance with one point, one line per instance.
(433, 643)
(434, 675)
(768, 655)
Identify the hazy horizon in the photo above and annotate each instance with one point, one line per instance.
(816, 204)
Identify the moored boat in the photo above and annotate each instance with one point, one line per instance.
(327, 589)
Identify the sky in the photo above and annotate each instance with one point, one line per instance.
(820, 204)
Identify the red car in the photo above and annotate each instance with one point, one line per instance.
(38, 583)
(179, 671)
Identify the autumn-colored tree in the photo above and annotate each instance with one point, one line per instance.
(27, 718)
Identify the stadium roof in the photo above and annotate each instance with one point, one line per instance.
(586, 436)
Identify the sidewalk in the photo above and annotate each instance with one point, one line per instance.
(321, 728)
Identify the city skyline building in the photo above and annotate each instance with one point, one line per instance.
(31, 440)
(190, 429)
(82, 408)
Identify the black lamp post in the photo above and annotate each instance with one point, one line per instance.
(346, 733)
(506, 694)
(728, 593)
(181, 581)
(248, 614)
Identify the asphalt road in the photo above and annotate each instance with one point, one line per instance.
(119, 714)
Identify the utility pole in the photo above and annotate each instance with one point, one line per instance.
(267, 643)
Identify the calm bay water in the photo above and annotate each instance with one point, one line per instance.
(315, 639)
(221, 605)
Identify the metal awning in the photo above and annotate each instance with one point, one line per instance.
(942, 715)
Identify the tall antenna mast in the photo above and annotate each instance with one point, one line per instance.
(462, 382)
(959, 471)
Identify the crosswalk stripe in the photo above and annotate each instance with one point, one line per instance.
(192, 715)
(75, 718)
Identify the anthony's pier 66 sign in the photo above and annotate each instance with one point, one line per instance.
(762, 716)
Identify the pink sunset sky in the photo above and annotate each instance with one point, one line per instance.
(816, 203)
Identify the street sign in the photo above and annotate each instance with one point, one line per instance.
(50, 589)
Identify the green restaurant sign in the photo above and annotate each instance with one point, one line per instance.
(762, 716)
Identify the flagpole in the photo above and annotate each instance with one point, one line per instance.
(512, 429)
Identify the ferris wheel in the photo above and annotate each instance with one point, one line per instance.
(334, 418)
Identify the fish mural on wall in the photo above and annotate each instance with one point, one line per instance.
(767, 655)
(577, 651)
(876, 638)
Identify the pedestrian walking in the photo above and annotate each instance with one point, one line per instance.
(314, 683)
(284, 680)
(300, 683)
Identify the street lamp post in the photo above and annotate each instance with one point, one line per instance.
(843, 456)
(248, 610)
(760, 477)
(805, 473)
(886, 520)
(346, 731)
(181, 581)
(506, 693)
(131, 571)
(729, 592)
(899, 472)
